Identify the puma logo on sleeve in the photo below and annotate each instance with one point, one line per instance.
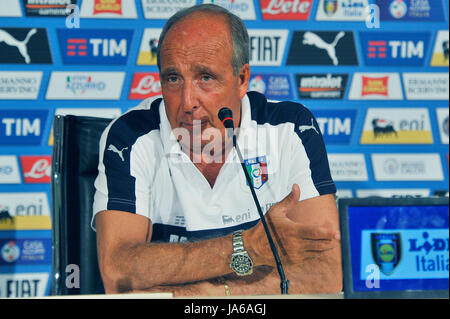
(114, 149)
(303, 128)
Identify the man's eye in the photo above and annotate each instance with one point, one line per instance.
(206, 78)
(172, 79)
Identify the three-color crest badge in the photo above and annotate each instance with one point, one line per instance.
(386, 251)
(257, 169)
(330, 6)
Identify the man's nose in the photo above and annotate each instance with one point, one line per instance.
(189, 100)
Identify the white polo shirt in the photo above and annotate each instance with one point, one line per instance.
(142, 169)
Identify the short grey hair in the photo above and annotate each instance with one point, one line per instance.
(238, 32)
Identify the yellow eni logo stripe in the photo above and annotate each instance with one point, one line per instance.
(401, 137)
(441, 50)
(440, 59)
(26, 223)
(397, 126)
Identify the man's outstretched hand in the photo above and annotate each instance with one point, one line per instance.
(295, 241)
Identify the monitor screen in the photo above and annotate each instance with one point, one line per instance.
(395, 247)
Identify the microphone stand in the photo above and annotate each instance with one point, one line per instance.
(284, 284)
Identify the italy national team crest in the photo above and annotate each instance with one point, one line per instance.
(330, 7)
(257, 169)
(386, 251)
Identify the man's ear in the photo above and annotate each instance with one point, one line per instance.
(244, 78)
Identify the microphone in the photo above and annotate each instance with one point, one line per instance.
(226, 117)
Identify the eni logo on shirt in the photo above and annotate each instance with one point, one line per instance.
(239, 218)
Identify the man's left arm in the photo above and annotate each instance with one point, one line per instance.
(319, 273)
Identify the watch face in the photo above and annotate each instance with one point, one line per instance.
(242, 264)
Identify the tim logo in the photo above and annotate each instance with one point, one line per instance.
(377, 49)
(336, 126)
(22, 127)
(395, 48)
(95, 46)
(76, 47)
(383, 127)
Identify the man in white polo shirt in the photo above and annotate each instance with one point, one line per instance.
(172, 205)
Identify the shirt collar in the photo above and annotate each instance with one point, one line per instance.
(247, 132)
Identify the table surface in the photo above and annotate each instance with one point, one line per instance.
(170, 296)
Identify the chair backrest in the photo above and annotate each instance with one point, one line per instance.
(74, 169)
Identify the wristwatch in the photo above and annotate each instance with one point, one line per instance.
(241, 262)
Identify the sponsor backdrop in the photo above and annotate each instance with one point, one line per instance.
(376, 78)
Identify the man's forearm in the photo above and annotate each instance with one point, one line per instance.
(321, 275)
(263, 281)
(142, 266)
(312, 262)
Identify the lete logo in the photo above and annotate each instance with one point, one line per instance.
(145, 85)
(36, 169)
(286, 9)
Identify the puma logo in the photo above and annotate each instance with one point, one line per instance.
(20, 45)
(313, 39)
(303, 128)
(114, 149)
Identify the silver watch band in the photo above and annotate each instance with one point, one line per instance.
(241, 262)
(238, 243)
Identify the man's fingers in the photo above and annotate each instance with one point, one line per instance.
(281, 208)
(291, 198)
(317, 233)
(316, 240)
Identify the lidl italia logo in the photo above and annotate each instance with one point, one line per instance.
(397, 126)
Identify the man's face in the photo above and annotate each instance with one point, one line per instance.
(197, 78)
